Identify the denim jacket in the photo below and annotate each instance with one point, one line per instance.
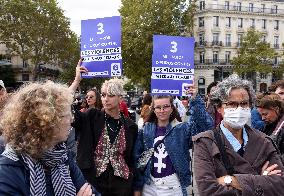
(178, 142)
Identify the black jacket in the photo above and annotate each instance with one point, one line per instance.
(89, 126)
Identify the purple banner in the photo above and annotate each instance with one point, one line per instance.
(101, 47)
(172, 65)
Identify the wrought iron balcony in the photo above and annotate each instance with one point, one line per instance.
(242, 9)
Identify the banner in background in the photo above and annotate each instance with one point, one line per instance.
(101, 47)
(172, 65)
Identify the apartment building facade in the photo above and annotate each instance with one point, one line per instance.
(219, 28)
(23, 69)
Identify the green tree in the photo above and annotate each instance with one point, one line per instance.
(254, 55)
(140, 21)
(36, 30)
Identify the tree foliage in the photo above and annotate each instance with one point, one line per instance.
(140, 21)
(254, 55)
(37, 30)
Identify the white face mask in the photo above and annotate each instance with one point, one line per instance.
(237, 118)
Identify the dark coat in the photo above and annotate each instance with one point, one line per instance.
(259, 149)
(279, 137)
(14, 177)
(89, 126)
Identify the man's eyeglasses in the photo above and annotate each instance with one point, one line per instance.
(159, 108)
(235, 104)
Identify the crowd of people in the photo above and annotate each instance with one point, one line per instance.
(237, 139)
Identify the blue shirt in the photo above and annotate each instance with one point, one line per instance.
(231, 138)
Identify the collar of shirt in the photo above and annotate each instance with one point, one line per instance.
(231, 138)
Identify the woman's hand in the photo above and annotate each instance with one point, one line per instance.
(85, 190)
(191, 90)
(137, 193)
(271, 170)
(79, 70)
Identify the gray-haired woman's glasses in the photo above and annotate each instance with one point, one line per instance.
(235, 104)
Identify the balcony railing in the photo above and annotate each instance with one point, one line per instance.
(216, 43)
(242, 9)
(276, 46)
(201, 44)
(212, 62)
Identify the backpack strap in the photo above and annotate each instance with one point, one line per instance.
(224, 156)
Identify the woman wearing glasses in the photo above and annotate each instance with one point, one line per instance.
(271, 108)
(106, 141)
(234, 159)
(93, 100)
(167, 171)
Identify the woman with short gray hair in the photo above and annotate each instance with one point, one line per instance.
(106, 141)
(234, 159)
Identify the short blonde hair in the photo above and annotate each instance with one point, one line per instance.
(32, 116)
(114, 86)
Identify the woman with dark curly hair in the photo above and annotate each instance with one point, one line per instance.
(36, 160)
(271, 108)
(162, 149)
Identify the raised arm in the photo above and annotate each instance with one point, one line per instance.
(79, 70)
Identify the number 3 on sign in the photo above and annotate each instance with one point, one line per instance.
(101, 28)
(174, 47)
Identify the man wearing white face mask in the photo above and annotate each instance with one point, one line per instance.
(235, 159)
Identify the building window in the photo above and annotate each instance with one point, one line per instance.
(240, 22)
(239, 6)
(227, 5)
(215, 39)
(216, 21)
(215, 4)
(252, 22)
(201, 21)
(276, 42)
(228, 39)
(263, 38)
(25, 77)
(215, 57)
(202, 5)
(227, 57)
(263, 23)
(228, 21)
(201, 39)
(201, 57)
(240, 39)
(274, 9)
(276, 24)
(250, 7)
(262, 7)
(276, 60)
(25, 64)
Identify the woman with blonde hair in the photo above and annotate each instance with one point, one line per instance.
(36, 160)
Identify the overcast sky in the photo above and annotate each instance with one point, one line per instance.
(78, 10)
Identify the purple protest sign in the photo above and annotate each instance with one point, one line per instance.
(101, 47)
(172, 65)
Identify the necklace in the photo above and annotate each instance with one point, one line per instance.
(116, 128)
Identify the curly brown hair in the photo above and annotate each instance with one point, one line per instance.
(269, 100)
(32, 116)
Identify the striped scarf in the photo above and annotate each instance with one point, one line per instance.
(60, 175)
